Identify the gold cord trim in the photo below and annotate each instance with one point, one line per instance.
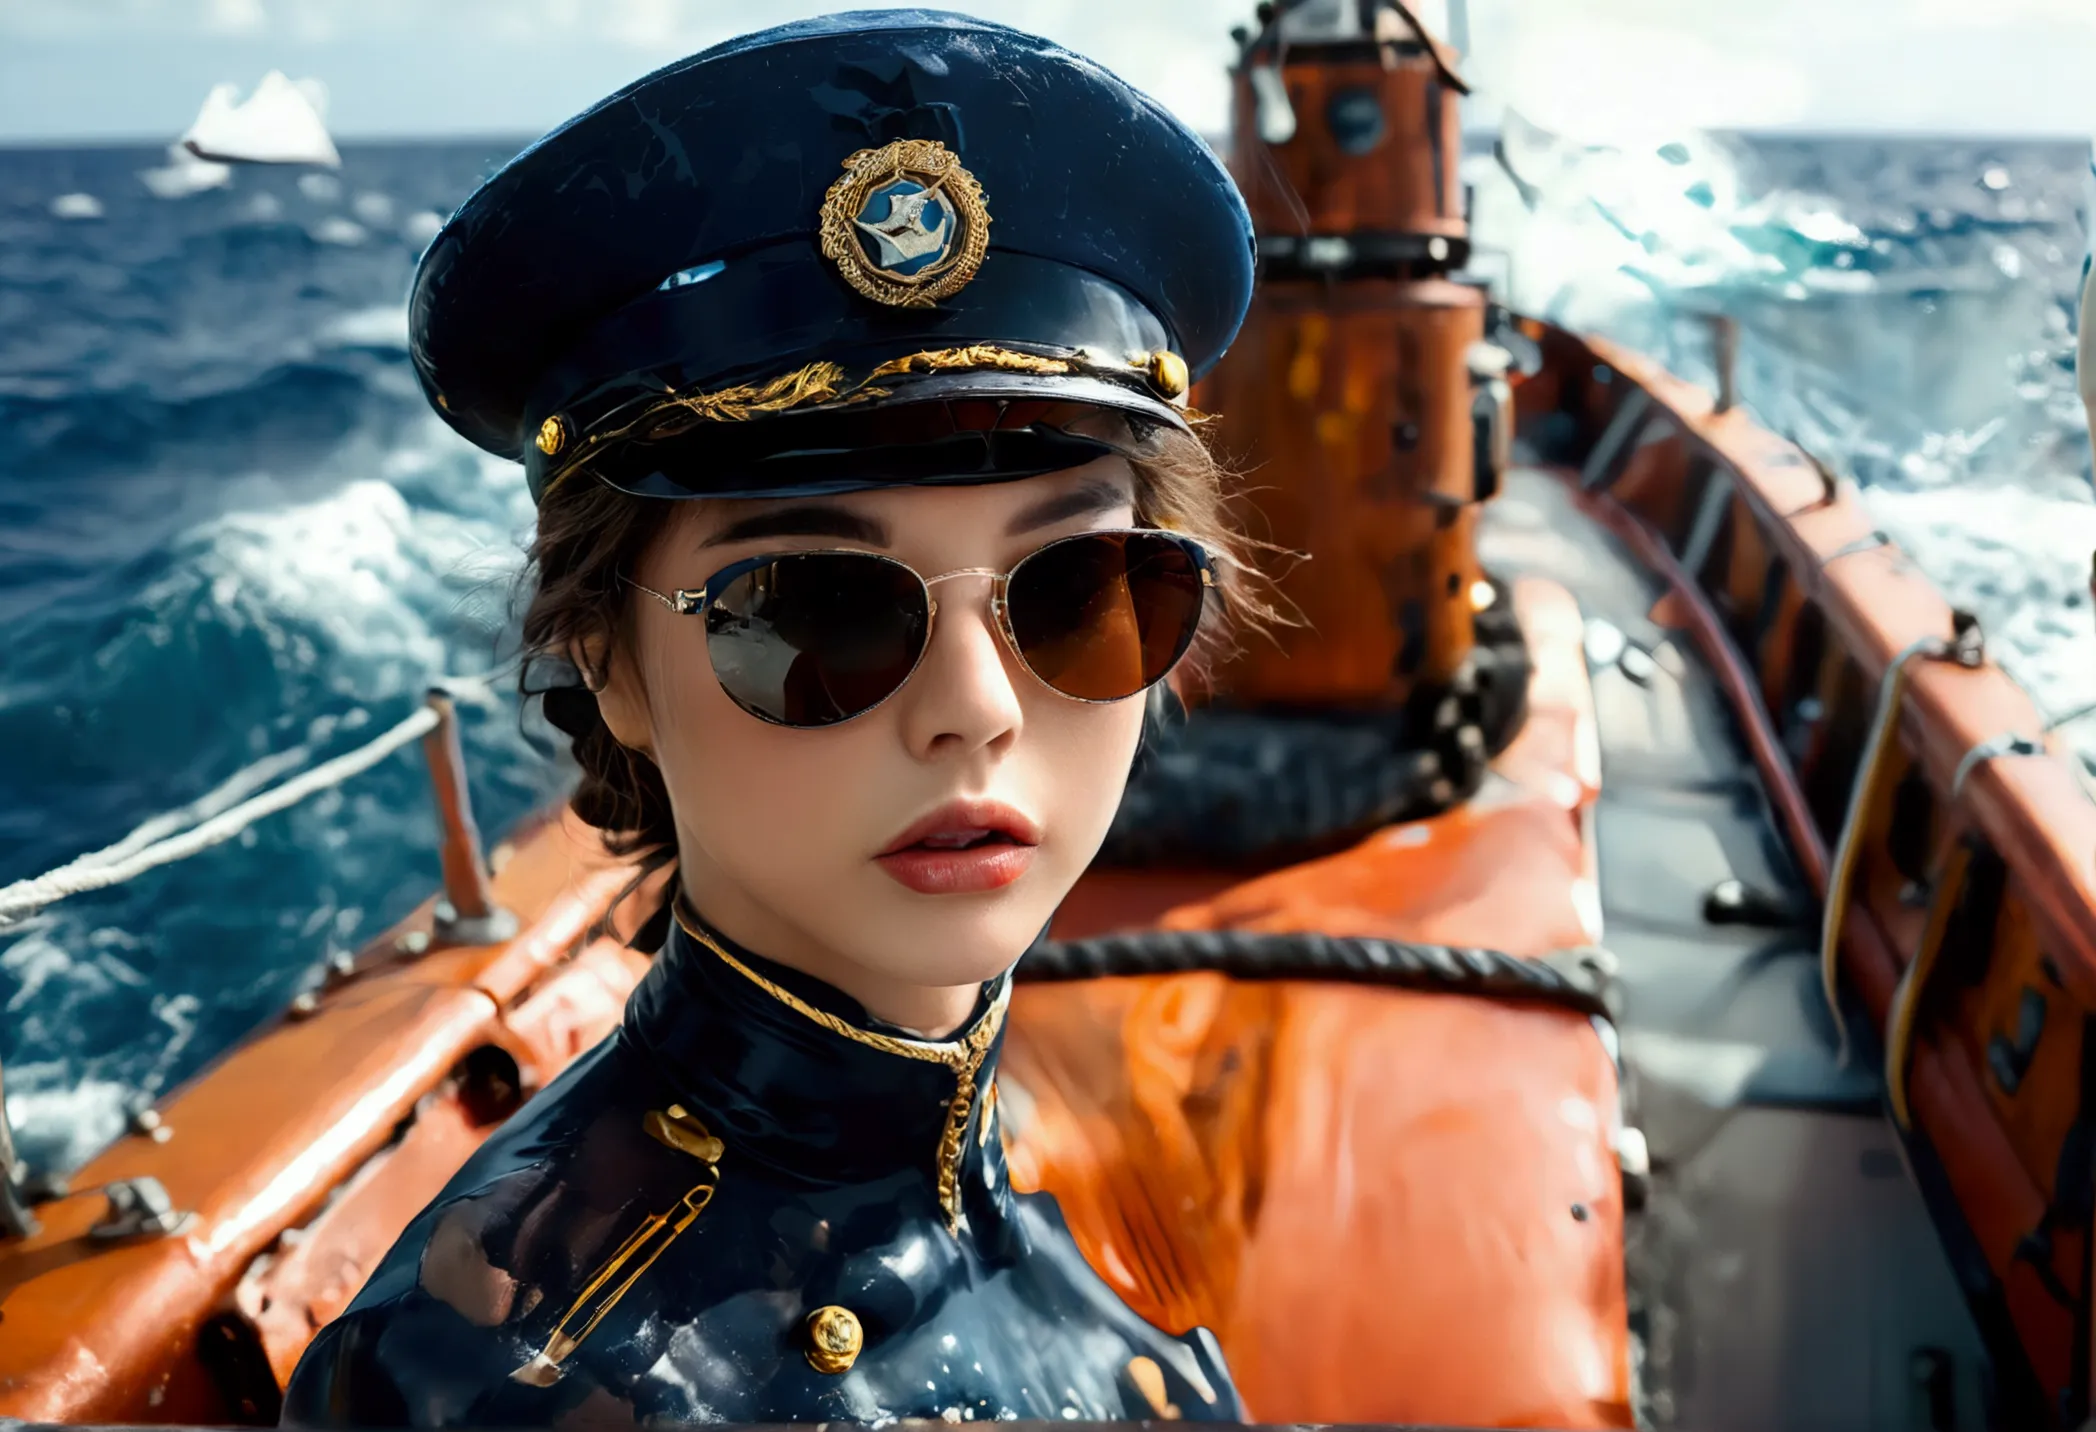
(979, 355)
(818, 383)
(964, 1056)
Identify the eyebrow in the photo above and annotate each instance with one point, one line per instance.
(822, 519)
(803, 519)
(1096, 494)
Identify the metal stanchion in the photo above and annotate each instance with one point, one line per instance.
(1724, 338)
(467, 914)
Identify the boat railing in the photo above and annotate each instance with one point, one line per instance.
(466, 913)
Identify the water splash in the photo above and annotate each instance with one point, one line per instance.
(1906, 313)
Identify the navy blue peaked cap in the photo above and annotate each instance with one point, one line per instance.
(877, 247)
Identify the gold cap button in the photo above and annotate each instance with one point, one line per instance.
(1168, 373)
(553, 435)
(834, 1339)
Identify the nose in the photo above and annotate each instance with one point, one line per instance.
(964, 697)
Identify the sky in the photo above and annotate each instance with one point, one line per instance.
(107, 70)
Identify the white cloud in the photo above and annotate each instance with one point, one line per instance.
(234, 17)
(1994, 14)
(1625, 79)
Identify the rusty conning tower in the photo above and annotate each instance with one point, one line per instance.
(1361, 394)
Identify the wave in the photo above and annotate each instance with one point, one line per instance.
(282, 629)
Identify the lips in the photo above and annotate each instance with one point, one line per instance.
(962, 847)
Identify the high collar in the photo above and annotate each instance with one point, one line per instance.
(793, 1073)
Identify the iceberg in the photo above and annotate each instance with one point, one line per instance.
(280, 123)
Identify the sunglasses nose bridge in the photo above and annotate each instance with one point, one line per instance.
(1000, 615)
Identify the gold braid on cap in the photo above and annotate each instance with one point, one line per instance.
(824, 384)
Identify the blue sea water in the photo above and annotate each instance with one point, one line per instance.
(230, 529)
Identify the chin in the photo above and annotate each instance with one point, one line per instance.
(945, 940)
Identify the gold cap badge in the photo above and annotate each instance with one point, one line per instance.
(906, 225)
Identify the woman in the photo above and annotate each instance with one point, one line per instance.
(873, 694)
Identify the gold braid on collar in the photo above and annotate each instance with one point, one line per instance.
(961, 1053)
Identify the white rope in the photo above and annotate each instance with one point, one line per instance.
(236, 787)
(129, 857)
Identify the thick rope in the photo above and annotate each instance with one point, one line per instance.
(1580, 979)
(128, 858)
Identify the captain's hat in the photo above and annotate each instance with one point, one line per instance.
(896, 246)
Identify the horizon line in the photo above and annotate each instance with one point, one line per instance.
(465, 136)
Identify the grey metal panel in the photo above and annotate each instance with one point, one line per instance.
(1785, 1273)
(1792, 1280)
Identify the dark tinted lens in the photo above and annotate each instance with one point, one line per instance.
(816, 638)
(1104, 615)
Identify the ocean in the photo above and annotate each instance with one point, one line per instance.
(233, 539)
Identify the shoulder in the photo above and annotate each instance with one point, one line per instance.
(437, 1333)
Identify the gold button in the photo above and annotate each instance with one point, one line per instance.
(553, 435)
(1168, 373)
(834, 1339)
(677, 1126)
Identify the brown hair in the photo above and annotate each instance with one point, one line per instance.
(590, 536)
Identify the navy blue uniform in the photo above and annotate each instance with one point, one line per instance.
(650, 1238)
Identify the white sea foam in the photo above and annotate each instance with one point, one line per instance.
(384, 326)
(422, 226)
(76, 206)
(335, 229)
(60, 1121)
(360, 567)
(184, 174)
(372, 209)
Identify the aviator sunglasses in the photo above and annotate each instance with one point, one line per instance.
(810, 639)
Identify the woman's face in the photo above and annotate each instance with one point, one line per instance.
(788, 838)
